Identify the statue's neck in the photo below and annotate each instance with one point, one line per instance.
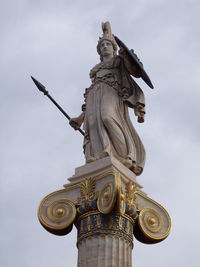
(107, 58)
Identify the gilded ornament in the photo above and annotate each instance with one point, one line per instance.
(87, 190)
(115, 222)
(152, 225)
(107, 198)
(121, 205)
(127, 227)
(120, 223)
(57, 216)
(111, 222)
(89, 223)
(60, 212)
(130, 193)
(99, 220)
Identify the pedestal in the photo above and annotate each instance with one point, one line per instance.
(108, 208)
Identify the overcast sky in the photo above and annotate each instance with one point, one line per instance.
(55, 41)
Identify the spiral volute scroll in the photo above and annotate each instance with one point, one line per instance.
(57, 215)
(153, 222)
(107, 198)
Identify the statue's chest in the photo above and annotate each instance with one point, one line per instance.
(110, 75)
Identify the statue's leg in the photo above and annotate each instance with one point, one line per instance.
(113, 121)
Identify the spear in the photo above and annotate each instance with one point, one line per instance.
(42, 88)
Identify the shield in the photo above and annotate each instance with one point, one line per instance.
(135, 61)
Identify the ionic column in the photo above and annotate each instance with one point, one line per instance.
(104, 240)
(106, 204)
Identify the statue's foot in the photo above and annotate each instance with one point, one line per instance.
(104, 155)
(90, 159)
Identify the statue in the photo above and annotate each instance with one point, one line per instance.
(103, 199)
(107, 125)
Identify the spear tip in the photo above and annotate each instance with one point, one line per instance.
(40, 86)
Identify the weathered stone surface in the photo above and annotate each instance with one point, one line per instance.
(104, 251)
(108, 128)
(101, 166)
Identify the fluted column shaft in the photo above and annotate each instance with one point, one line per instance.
(104, 251)
(104, 240)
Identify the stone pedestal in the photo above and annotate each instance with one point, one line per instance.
(108, 208)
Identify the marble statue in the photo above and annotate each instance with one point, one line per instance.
(103, 199)
(107, 125)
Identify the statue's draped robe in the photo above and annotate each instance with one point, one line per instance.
(108, 128)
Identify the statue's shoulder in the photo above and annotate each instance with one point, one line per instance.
(95, 69)
(113, 63)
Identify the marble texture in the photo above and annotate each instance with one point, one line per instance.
(104, 251)
(99, 167)
(105, 117)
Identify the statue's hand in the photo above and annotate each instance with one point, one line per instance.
(140, 118)
(75, 123)
(140, 112)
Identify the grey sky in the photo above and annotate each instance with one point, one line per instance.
(55, 41)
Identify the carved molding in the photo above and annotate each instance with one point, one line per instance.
(104, 195)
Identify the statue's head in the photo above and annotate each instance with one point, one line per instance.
(106, 43)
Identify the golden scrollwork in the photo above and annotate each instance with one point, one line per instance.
(107, 198)
(152, 225)
(121, 201)
(57, 215)
(130, 193)
(87, 190)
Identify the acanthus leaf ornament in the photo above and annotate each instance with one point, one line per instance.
(87, 200)
(87, 190)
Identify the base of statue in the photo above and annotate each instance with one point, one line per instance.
(108, 208)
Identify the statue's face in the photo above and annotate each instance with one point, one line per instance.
(106, 48)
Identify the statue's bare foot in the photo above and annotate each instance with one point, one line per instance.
(104, 155)
(90, 159)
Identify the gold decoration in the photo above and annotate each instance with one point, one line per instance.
(89, 223)
(153, 220)
(111, 226)
(56, 215)
(98, 220)
(111, 222)
(130, 193)
(87, 189)
(121, 201)
(107, 198)
(151, 224)
(120, 223)
(127, 227)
